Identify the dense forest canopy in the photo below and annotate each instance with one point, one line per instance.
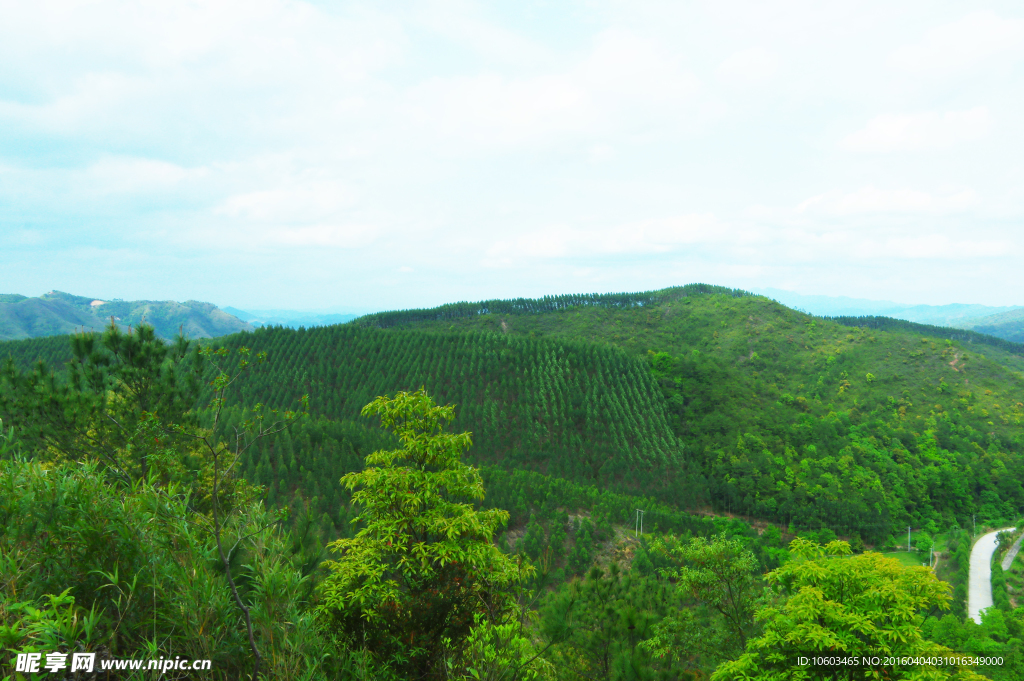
(697, 406)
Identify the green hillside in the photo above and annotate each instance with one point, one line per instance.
(584, 410)
(54, 351)
(1013, 349)
(702, 397)
(1009, 325)
(796, 418)
(57, 313)
(574, 410)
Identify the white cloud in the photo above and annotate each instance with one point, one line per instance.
(253, 238)
(269, 136)
(648, 237)
(463, 23)
(961, 44)
(752, 66)
(919, 131)
(871, 199)
(600, 152)
(126, 175)
(935, 247)
(199, 73)
(623, 75)
(293, 203)
(337, 236)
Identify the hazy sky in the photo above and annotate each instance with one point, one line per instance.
(271, 153)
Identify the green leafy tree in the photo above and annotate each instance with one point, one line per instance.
(839, 605)
(720, 573)
(412, 583)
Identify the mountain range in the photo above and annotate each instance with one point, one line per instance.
(290, 318)
(57, 313)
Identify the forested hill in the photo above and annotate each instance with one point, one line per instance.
(57, 313)
(463, 312)
(713, 399)
(795, 417)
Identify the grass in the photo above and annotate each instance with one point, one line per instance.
(908, 558)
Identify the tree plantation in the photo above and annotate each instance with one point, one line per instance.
(457, 494)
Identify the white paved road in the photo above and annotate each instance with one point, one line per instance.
(979, 589)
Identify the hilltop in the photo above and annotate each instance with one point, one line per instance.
(57, 313)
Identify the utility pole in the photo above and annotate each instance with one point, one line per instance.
(974, 522)
(908, 537)
(638, 529)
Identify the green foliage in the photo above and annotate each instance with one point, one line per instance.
(1000, 597)
(1000, 634)
(52, 351)
(45, 626)
(499, 651)
(601, 622)
(740, 405)
(128, 402)
(795, 435)
(114, 385)
(90, 564)
(721, 574)
(542, 493)
(410, 585)
(963, 335)
(842, 605)
(573, 410)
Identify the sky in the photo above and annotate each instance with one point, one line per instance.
(384, 155)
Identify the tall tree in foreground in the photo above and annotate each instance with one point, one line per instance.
(844, 606)
(423, 572)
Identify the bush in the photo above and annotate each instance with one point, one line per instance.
(91, 565)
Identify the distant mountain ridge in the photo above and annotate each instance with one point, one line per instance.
(290, 318)
(56, 313)
(1002, 322)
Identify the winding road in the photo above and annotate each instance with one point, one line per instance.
(979, 589)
